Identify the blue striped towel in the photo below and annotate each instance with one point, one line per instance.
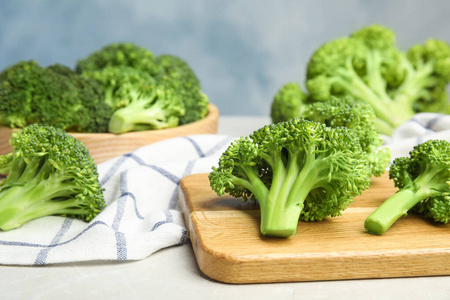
(141, 217)
(141, 190)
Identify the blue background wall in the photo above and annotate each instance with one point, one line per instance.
(242, 51)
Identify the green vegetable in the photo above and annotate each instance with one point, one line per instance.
(423, 180)
(288, 103)
(119, 83)
(116, 54)
(176, 73)
(161, 108)
(125, 67)
(48, 173)
(344, 111)
(53, 96)
(368, 66)
(297, 169)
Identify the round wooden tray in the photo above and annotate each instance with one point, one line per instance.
(104, 146)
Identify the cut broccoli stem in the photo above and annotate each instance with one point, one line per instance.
(401, 202)
(390, 211)
(278, 218)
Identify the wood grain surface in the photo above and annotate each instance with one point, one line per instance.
(228, 246)
(104, 146)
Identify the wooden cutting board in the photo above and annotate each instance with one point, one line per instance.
(228, 246)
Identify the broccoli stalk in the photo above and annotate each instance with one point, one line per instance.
(423, 180)
(157, 110)
(297, 169)
(48, 173)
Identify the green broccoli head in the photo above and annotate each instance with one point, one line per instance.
(93, 112)
(360, 118)
(119, 82)
(173, 71)
(158, 109)
(297, 169)
(368, 66)
(288, 103)
(117, 54)
(423, 180)
(48, 173)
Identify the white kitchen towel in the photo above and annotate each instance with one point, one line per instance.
(423, 127)
(141, 217)
(141, 191)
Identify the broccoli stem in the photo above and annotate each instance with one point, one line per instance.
(137, 116)
(278, 218)
(415, 82)
(292, 185)
(424, 186)
(37, 199)
(390, 211)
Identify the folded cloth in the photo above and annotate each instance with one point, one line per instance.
(141, 192)
(141, 217)
(422, 127)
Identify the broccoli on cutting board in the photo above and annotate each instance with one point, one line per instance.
(296, 170)
(423, 182)
(48, 173)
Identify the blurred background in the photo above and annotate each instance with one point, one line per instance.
(242, 51)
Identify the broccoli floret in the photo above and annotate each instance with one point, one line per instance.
(368, 66)
(297, 169)
(161, 108)
(119, 82)
(48, 173)
(423, 182)
(117, 54)
(288, 103)
(53, 96)
(94, 113)
(173, 71)
(18, 85)
(360, 118)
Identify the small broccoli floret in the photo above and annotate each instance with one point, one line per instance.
(423, 180)
(48, 173)
(297, 169)
(158, 109)
(117, 54)
(360, 118)
(173, 71)
(288, 103)
(368, 66)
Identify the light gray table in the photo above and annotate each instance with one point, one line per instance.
(173, 274)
